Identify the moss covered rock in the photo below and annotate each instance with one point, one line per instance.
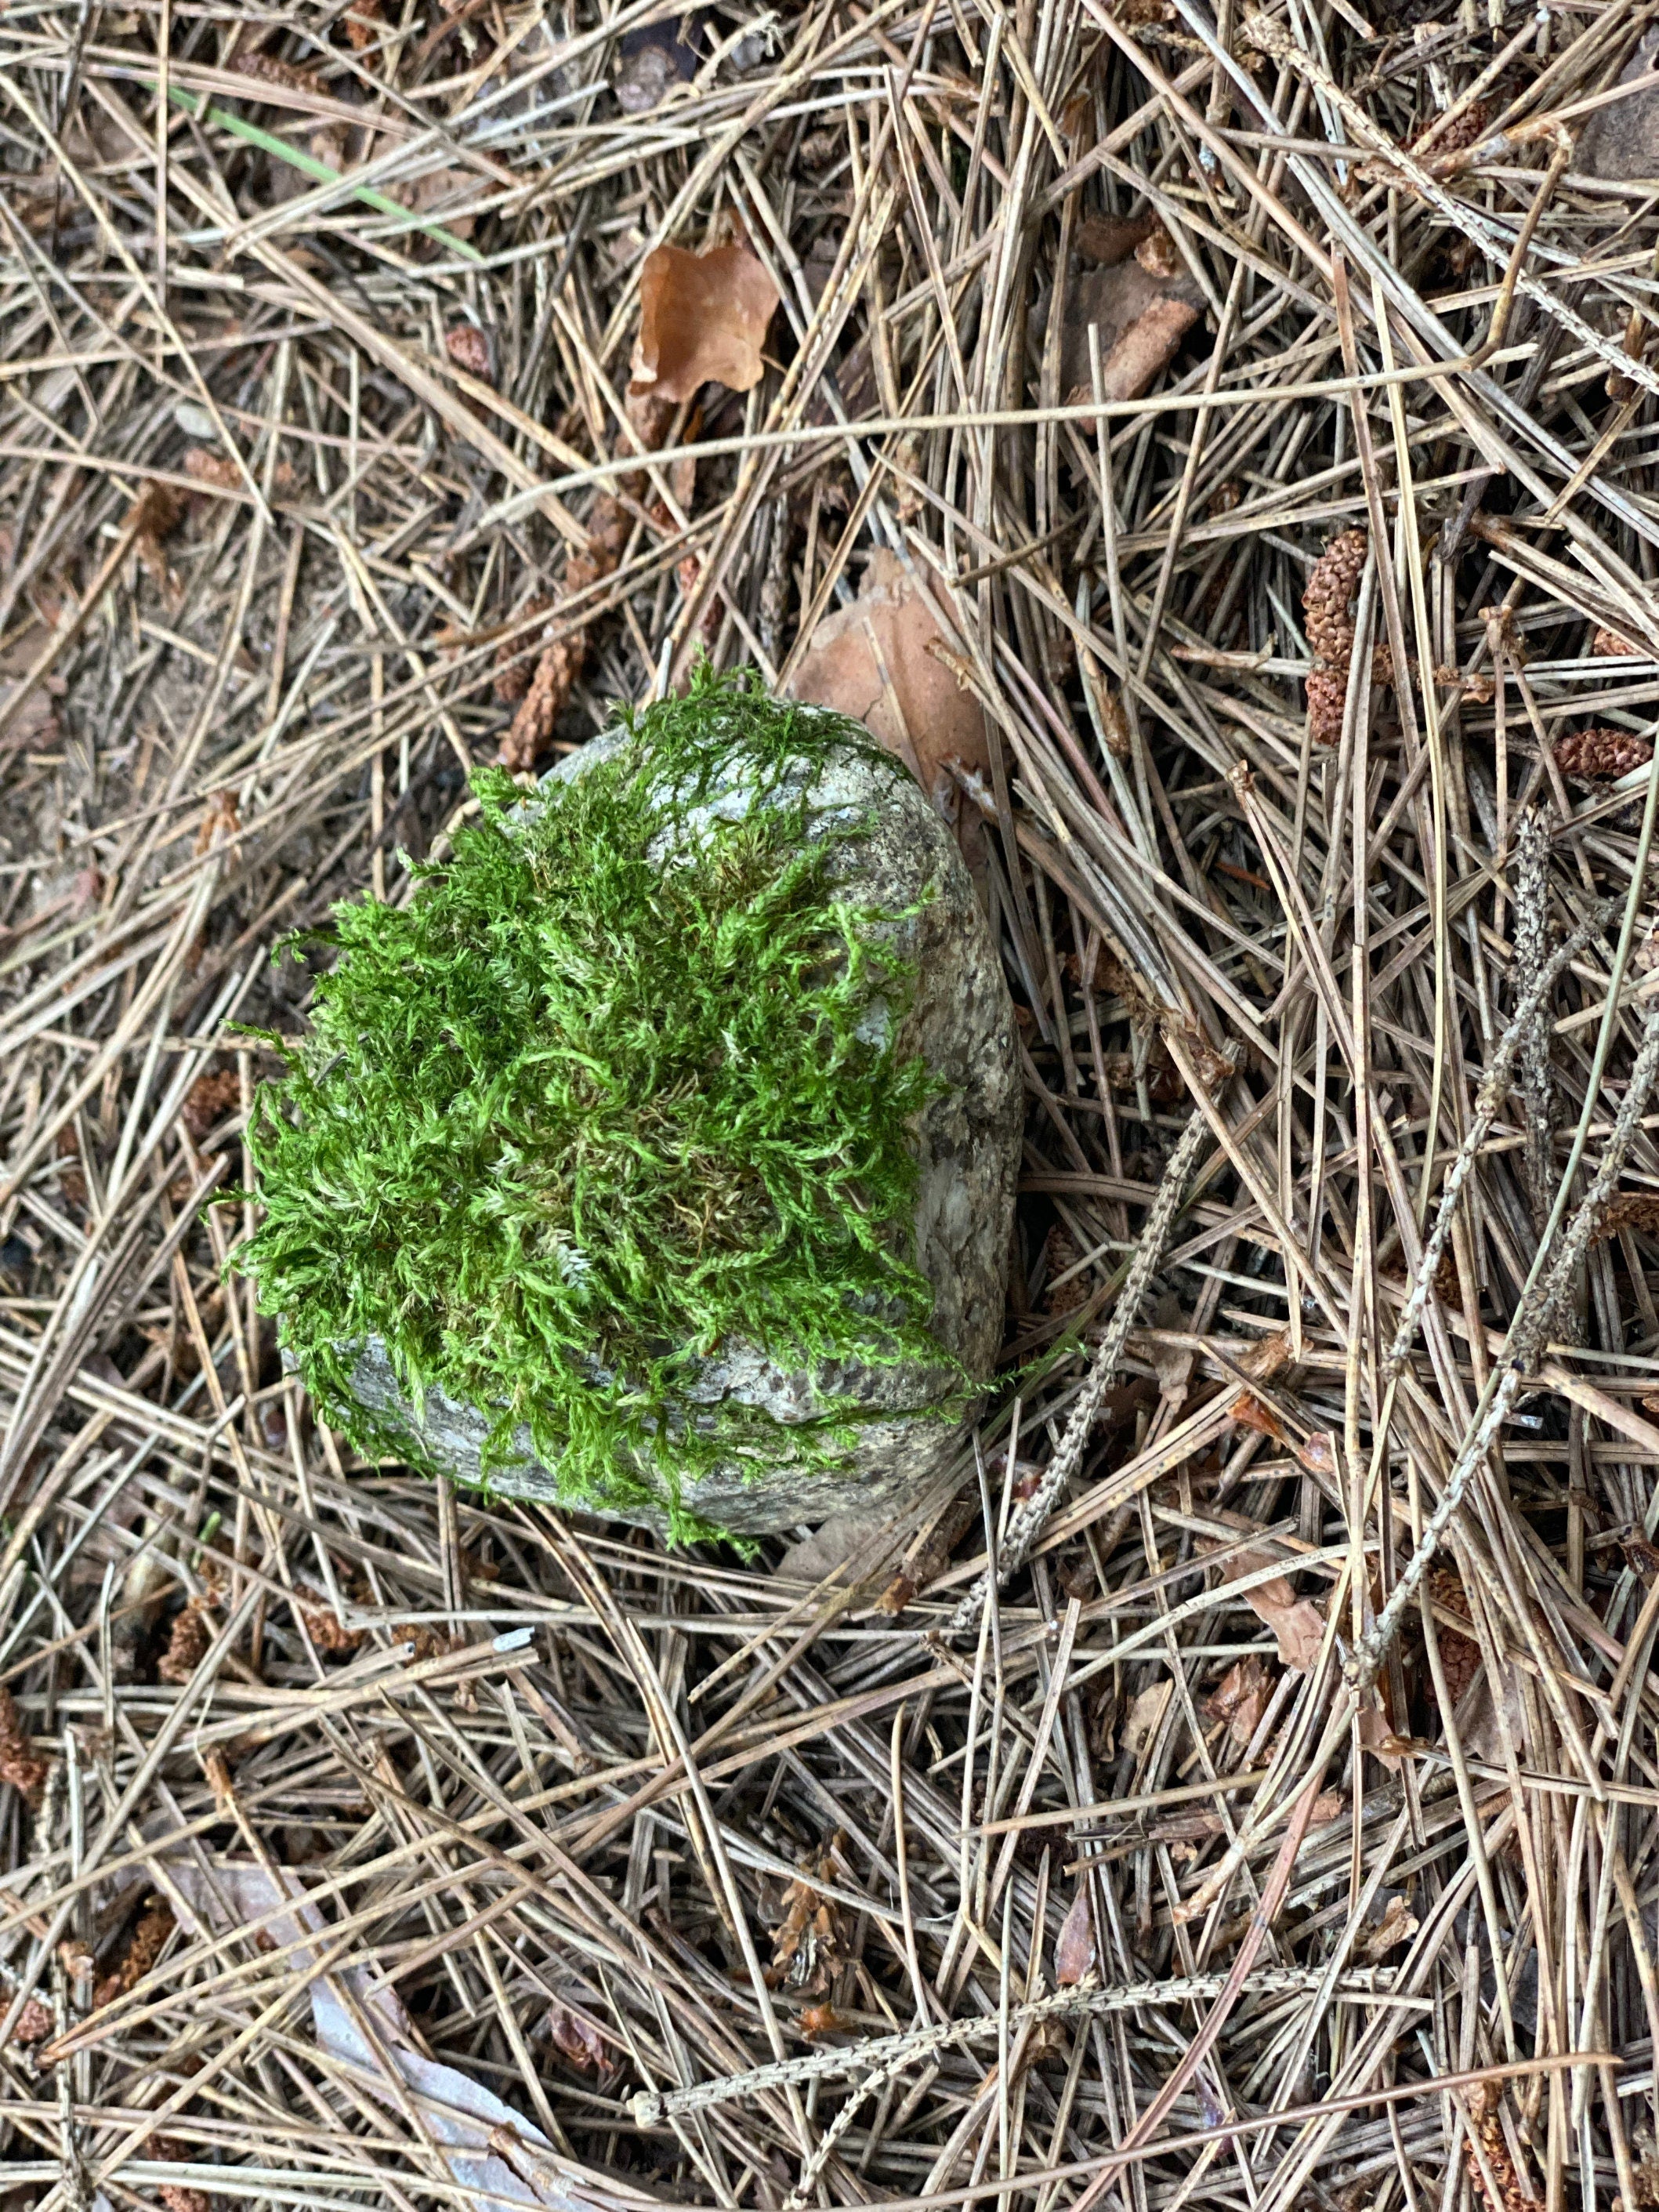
(661, 1158)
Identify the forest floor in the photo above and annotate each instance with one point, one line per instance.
(1217, 452)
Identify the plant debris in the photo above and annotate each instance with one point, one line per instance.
(323, 484)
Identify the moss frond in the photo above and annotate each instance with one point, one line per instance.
(583, 1114)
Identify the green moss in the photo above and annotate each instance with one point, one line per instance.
(576, 1117)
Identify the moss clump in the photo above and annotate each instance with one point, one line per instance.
(598, 1102)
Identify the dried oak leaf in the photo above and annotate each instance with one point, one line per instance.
(1398, 1925)
(1241, 1698)
(872, 660)
(575, 2039)
(19, 1765)
(1142, 317)
(1590, 756)
(1074, 1946)
(1296, 1623)
(702, 319)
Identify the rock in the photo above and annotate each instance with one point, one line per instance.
(905, 863)
(1620, 141)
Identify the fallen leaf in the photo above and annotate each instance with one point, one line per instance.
(1376, 1736)
(1248, 1412)
(1241, 1698)
(1317, 1452)
(1398, 1925)
(652, 58)
(1297, 1622)
(574, 2040)
(1145, 1713)
(872, 660)
(1268, 1357)
(1074, 1947)
(1140, 297)
(702, 318)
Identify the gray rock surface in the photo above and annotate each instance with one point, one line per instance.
(967, 1141)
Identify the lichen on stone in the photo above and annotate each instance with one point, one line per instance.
(605, 1095)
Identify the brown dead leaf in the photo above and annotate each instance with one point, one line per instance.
(1248, 1412)
(1241, 1698)
(1142, 317)
(703, 317)
(1317, 1452)
(1074, 1947)
(1268, 1356)
(575, 2039)
(1398, 1925)
(1297, 1622)
(1144, 1717)
(1378, 1736)
(1106, 239)
(872, 660)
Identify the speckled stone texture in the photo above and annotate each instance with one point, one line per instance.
(905, 862)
